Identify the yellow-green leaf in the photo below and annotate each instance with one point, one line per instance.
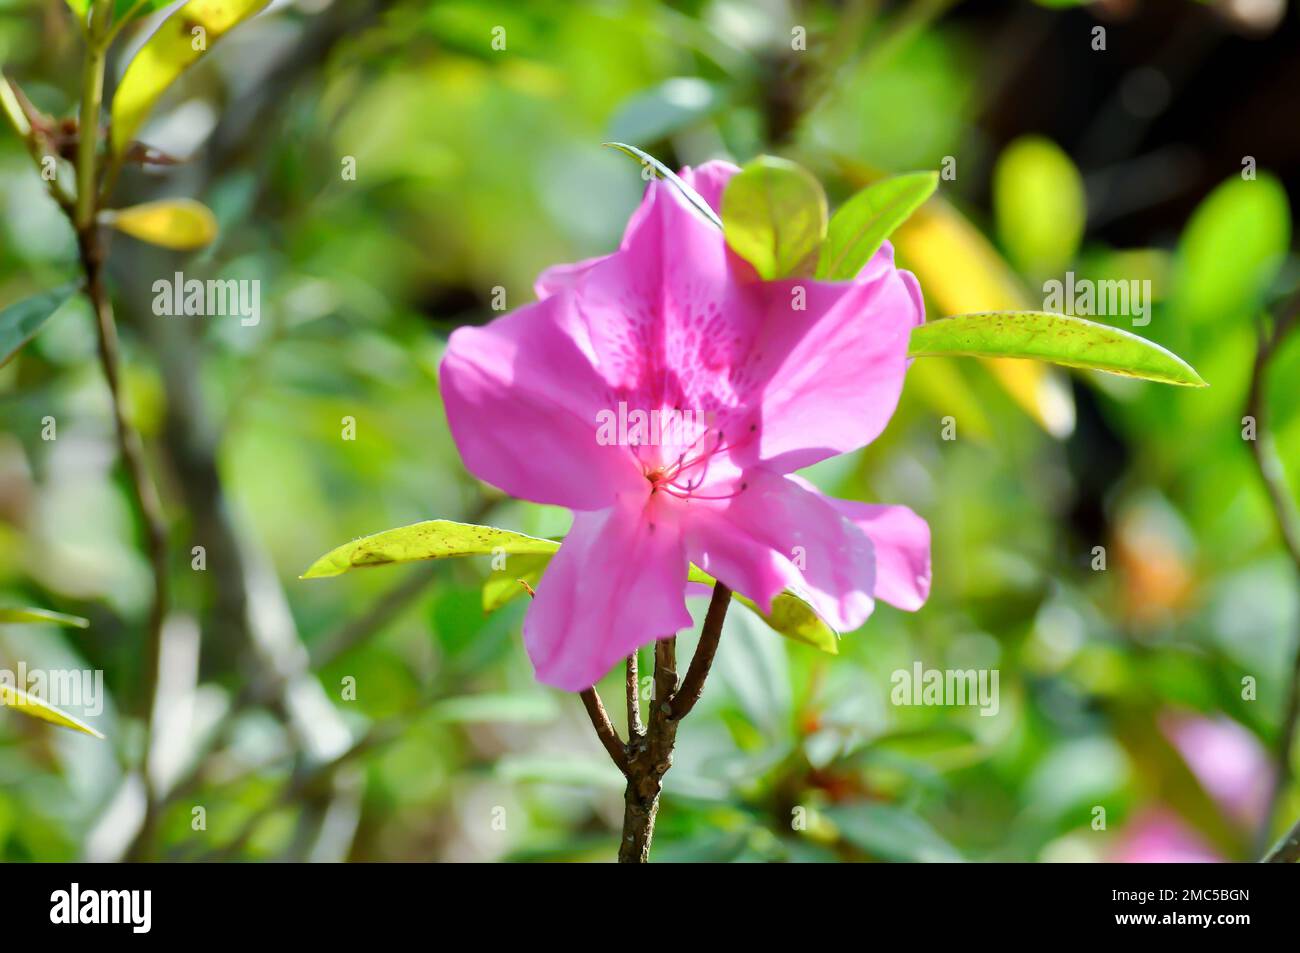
(962, 273)
(23, 703)
(177, 44)
(864, 221)
(1039, 204)
(434, 539)
(774, 217)
(1231, 251)
(182, 224)
(42, 615)
(504, 585)
(791, 616)
(1058, 338)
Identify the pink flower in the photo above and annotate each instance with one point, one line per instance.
(1228, 761)
(751, 381)
(1160, 837)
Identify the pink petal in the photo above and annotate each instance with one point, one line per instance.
(901, 540)
(522, 401)
(842, 362)
(708, 180)
(776, 535)
(617, 583)
(563, 277)
(801, 369)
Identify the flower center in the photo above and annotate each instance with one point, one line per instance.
(685, 475)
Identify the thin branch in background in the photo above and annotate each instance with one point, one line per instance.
(130, 448)
(1271, 472)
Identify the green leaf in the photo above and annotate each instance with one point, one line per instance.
(890, 832)
(555, 768)
(79, 9)
(867, 219)
(128, 10)
(23, 703)
(791, 616)
(180, 224)
(1231, 250)
(19, 322)
(502, 708)
(664, 172)
(507, 584)
(657, 113)
(168, 53)
(1058, 338)
(774, 217)
(15, 616)
(1039, 204)
(434, 539)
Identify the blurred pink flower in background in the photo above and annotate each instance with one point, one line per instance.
(1227, 759)
(1159, 836)
(1229, 763)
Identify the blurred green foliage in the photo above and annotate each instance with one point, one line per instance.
(475, 168)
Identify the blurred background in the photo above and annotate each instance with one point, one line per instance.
(384, 715)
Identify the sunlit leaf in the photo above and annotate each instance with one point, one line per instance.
(13, 616)
(20, 321)
(79, 9)
(960, 273)
(182, 224)
(176, 45)
(507, 584)
(1061, 339)
(664, 172)
(15, 699)
(774, 217)
(864, 221)
(1231, 250)
(434, 539)
(1039, 204)
(791, 616)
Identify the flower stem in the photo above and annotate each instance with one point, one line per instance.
(650, 754)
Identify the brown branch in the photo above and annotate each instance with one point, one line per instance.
(702, 661)
(634, 726)
(604, 730)
(650, 753)
(1273, 475)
